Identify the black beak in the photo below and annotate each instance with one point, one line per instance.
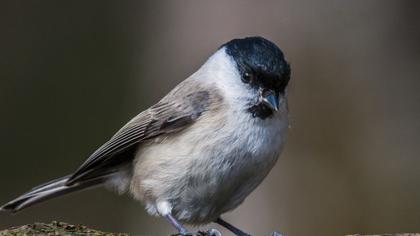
(271, 99)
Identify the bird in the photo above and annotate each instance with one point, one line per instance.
(199, 151)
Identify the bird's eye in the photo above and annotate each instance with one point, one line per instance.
(246, 78)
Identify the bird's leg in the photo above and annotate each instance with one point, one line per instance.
(181, 229)
(165, 208)
(231, 228)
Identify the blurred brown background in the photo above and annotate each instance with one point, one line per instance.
(73, 72)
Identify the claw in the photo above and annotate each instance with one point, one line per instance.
(210, 232)
(214, 232)
(186, 234)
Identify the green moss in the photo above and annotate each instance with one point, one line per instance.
(60, 228)
(54, 228)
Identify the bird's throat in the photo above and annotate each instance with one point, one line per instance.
(260, 110)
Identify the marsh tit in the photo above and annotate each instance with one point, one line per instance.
(203, 148)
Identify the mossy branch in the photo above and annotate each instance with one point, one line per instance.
(60, 228)
(55, 228)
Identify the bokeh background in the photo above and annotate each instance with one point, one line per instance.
(73, 72)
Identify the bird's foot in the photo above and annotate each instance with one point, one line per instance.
(186, 234)
(210, 232)
(275, 234)
(213, 232)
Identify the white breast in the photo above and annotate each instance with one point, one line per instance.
(213, 165)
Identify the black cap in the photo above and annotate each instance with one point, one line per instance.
(262, 59)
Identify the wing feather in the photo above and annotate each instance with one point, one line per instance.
(179, 109)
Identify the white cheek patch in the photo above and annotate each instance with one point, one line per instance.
(221, 70)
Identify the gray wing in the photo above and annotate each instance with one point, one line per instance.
(178, 110)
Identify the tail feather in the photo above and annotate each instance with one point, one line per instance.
(50, 190)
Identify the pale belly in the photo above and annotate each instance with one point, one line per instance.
(204, 174)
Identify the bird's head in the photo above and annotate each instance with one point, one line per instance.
(262, 67)
(257, 67)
